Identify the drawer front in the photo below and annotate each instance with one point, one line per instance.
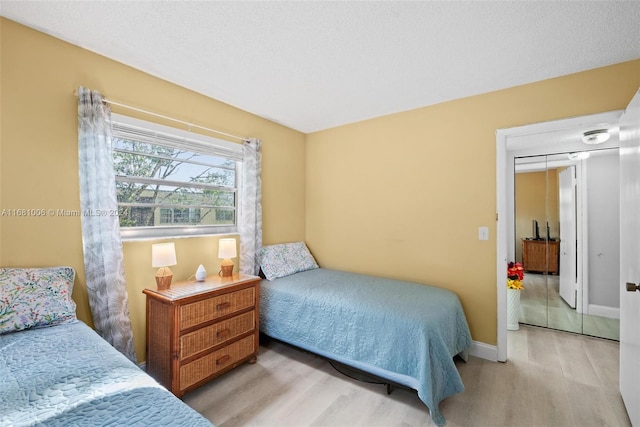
(208, 365)
(202, 311)
(205, 338)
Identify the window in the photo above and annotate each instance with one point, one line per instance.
(170, 182)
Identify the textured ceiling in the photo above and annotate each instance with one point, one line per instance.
(316, 65)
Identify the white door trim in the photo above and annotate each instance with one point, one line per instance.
(582, 301)
(529, 140)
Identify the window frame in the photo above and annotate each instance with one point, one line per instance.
(126, 127)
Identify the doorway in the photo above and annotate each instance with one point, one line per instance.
(541, 139)
(567, 238)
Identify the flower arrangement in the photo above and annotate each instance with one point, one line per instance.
(515, 275)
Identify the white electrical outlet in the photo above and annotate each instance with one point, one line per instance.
(483, 233)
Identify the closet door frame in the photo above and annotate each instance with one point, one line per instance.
(530, 140)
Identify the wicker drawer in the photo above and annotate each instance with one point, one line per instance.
(202, 368)
(218, 333)
(202, 311)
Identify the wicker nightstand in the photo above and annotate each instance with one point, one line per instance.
(197, 331)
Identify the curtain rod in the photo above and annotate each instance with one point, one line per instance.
(190, 125)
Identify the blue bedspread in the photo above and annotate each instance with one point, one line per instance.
(67, 375)
(405, 332)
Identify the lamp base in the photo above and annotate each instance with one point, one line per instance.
(226, 268)
(163, 278)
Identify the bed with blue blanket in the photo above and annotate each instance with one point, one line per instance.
(57, 371)
(407, 333)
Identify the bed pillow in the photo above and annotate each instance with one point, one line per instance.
(285, 259)
(35, 297)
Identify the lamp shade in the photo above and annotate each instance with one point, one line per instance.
(227, 249)
(163, 255)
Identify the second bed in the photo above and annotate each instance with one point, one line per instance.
(407, 333)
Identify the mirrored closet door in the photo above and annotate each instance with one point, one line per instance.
(567, 238)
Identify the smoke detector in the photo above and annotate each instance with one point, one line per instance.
(597, 136)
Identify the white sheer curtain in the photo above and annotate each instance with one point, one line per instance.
(250, 221)
(103, 260)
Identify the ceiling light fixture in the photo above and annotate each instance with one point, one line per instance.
(597, 136)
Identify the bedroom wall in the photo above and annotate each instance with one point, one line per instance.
(403, 195)
(399, 196)
(39, 163)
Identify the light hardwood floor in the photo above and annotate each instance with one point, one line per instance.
(552, 378)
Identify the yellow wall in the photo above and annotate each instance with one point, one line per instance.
(398, 196)
(403, 195)
(536, 198)
(39, 163)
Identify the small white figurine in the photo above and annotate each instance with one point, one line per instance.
(201, 274)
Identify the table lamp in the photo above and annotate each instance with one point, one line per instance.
(226, 251)
(163, 255)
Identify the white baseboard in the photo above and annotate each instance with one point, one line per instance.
(604, 311)
(484, 351)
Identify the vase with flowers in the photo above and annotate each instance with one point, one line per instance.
(515, 276)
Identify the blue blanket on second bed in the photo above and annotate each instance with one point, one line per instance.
(67, 375)
(405, 332)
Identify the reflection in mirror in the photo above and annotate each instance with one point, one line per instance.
(531, 206)
(567, 237)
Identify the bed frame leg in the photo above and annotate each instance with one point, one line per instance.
(389, 389)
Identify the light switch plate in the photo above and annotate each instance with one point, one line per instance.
(483, 233)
